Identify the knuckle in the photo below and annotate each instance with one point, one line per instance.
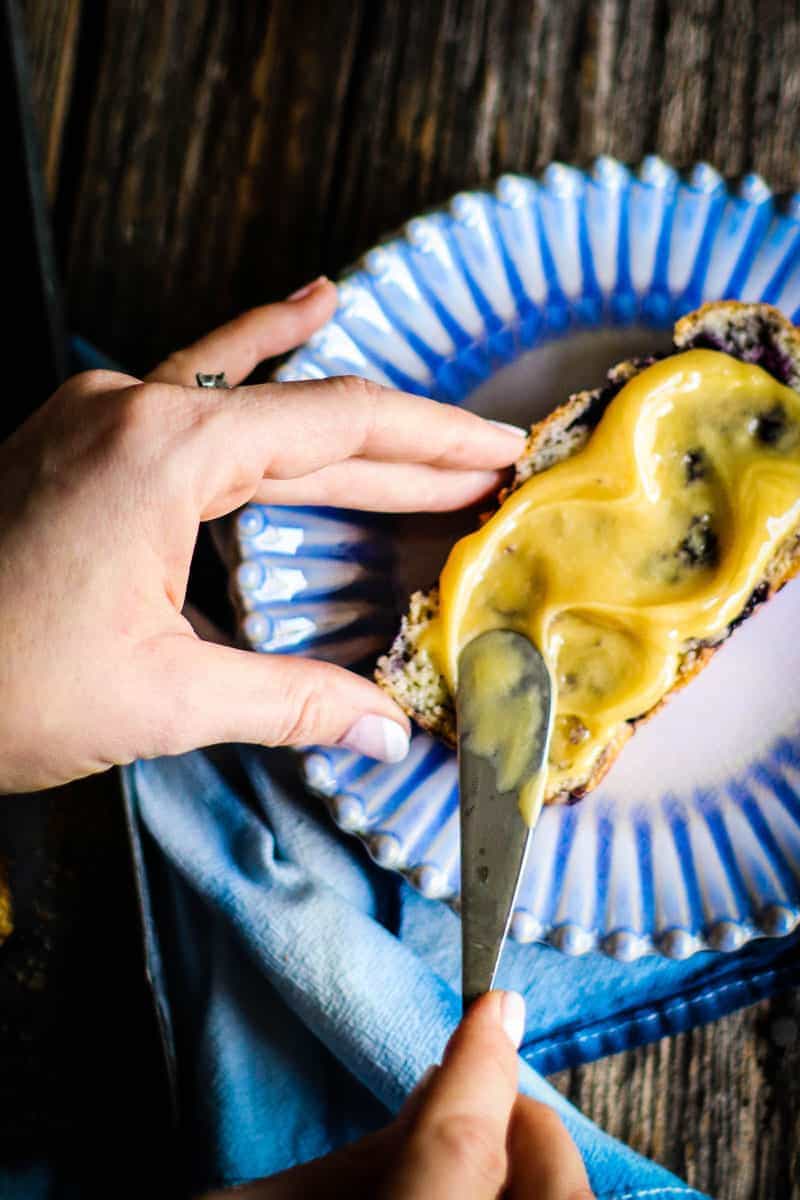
(357, 385)
(137, 405)
(88, 382)
(302, 718)
(364, 392)
(147, 415)
(364, 397)
(467, 1141)
(78, 400)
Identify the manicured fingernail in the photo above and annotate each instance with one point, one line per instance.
(512, 1017)
(377, 737)
(517, 429)
(302, 292)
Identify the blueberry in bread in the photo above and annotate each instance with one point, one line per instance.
(646, 519)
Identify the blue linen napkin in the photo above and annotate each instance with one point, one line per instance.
(302, 991)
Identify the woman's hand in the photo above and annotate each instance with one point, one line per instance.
(101, 493)
(465, 1134)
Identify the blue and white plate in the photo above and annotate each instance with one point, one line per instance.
(506, 301)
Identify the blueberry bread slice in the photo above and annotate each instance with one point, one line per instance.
(702, 471)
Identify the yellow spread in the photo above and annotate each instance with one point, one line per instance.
(501, 716)
(654, 534)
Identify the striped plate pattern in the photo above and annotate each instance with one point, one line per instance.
(693, 841)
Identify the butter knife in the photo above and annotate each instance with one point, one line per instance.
(504, 708)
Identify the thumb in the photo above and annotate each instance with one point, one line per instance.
(457, 1146)
(212, 694)
(354, 1170)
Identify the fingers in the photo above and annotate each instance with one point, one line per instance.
(544, 1163)
(291, 430)
(96, 382)
(301, 427)
(417, 1097)
(355, 1170)
(382, 487)
(238, 347)
(462, 1116)
(210, 694)
(457, 1147)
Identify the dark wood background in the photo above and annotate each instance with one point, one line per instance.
(201, 157)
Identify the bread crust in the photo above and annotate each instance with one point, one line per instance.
(755, 333)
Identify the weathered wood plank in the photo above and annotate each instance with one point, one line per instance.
(720, 1105)
(52, 32)
(234, 151)
(210, 156)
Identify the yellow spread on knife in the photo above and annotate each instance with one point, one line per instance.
(654, 534)
(501, 716)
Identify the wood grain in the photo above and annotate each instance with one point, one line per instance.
(52, 31)
(202, 157)
(234, 150)
(208, 167)
(720, 1105)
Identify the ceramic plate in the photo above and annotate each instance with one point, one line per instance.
(506, 301)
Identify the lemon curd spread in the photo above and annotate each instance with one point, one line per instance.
(503, 715)
(652, 536)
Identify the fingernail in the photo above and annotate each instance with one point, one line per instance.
(377, 737)
(308, 288)
(512, 1017)
(517, 429)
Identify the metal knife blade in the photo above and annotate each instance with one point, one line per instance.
(504, 688)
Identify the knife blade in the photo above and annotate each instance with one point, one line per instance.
(504, 708)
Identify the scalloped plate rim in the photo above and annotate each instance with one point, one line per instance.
(621, 942)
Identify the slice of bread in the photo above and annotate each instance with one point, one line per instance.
(754, 333)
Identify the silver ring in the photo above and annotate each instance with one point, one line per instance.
(212, 381)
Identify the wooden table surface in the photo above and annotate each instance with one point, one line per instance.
(203, 157)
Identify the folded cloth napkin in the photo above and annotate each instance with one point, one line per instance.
(302, 991)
